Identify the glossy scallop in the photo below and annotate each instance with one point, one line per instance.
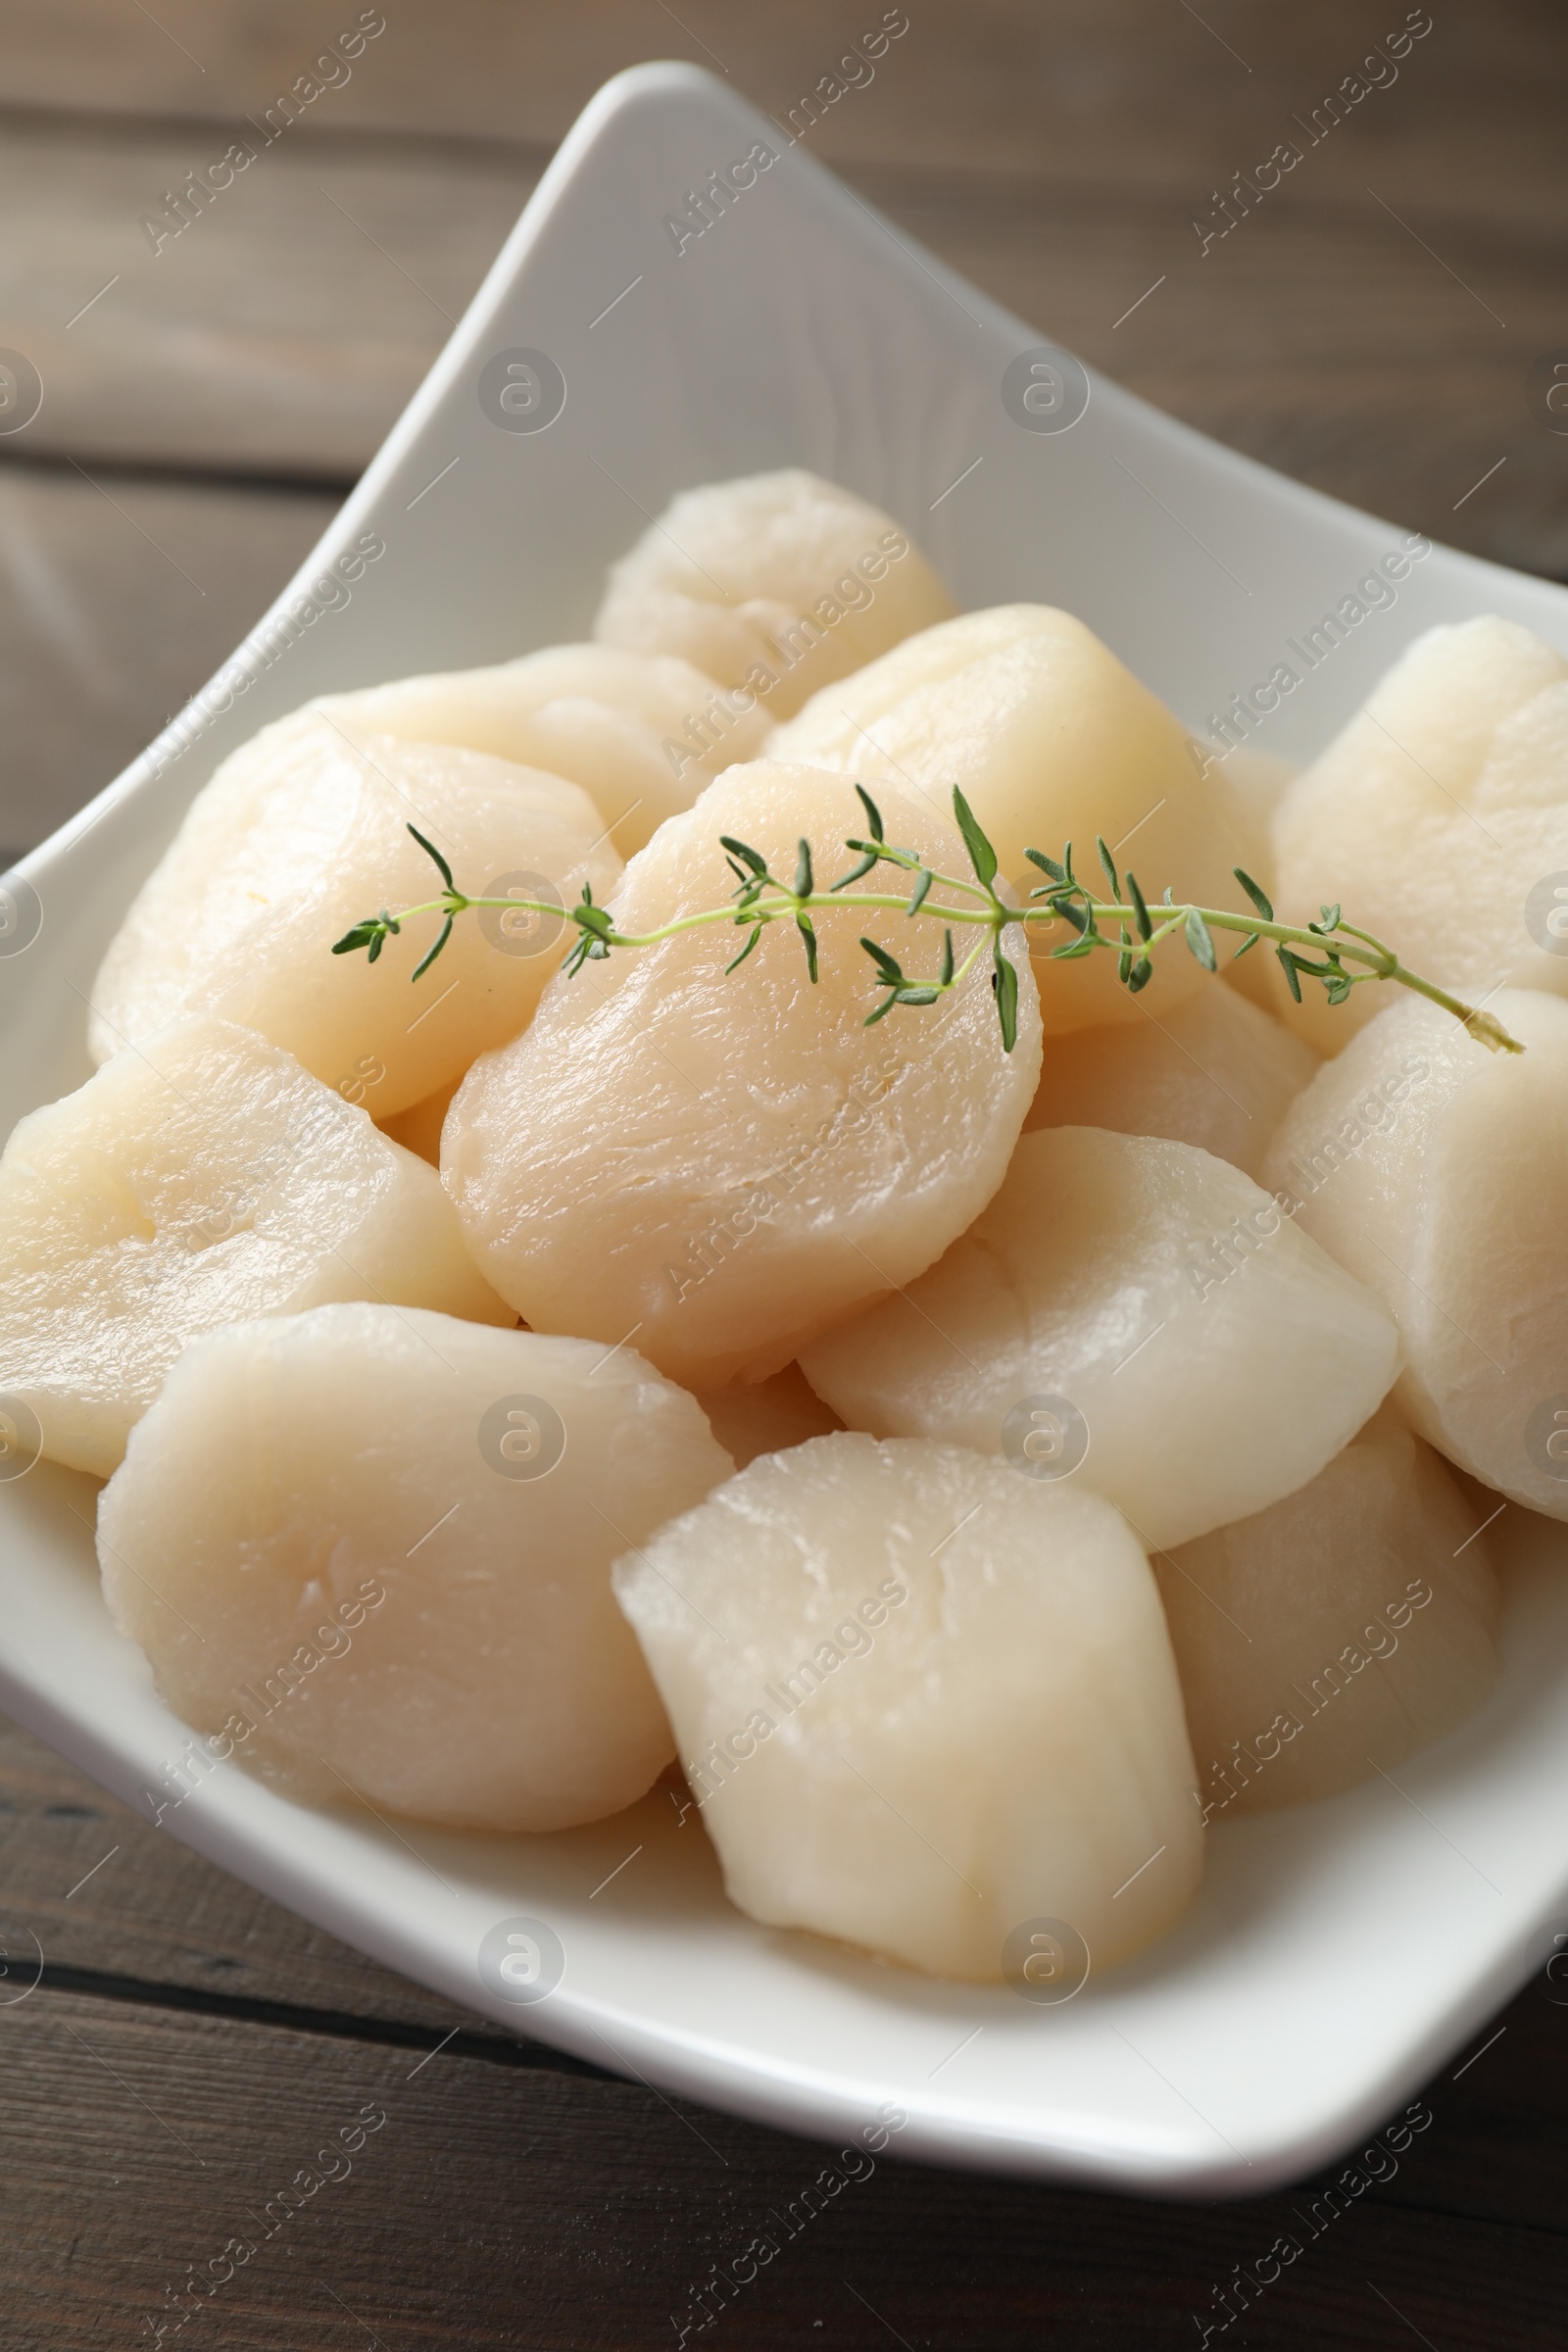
(200, 1180)
(926, 1707)
(1440, 817)
(774, 584)
(642, 733)
(303, 833)
(1211, 1070)
(716, 1165)
(1336, 1633)
(398, 1589)
(1053, 740)
(1134, 1315)
(1433, 1170)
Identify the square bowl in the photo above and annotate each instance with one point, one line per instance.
(1338, 1952)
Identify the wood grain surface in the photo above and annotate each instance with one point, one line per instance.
(1370, 327)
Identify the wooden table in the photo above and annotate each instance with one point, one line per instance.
(1369, 328)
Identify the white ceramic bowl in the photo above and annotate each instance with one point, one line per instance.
(1339, 1952)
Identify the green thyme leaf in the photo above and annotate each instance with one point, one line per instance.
(1331, 916)
(947, 959)
(1139, 976)
(1259, 901)
(873, 815)
(892, 973)
(739, 849)
(430, 851)
(1005, 981)
(756, 933)
(359, 937)
(1047, 865)
(1288, 965)
(917, 895)
(431, 953)
(803, 869)
(982, 856)
(1146, 928)
(1198, 939)
(1251, 941)
(802, 925)
(1109, 864)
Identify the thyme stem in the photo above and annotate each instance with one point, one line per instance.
(1319, 951)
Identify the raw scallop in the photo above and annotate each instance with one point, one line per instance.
(199, 1180)
(1433, 1170)
(925, 1706)
(398, 1588)
(717, 1167)
(1133, 1313)
(773, 584)
(1439, 817)
(641, 733)
(1211, 1070)
(1053, 740)
(1335, 1633)
(301, 834)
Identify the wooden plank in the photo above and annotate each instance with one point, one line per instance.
(284, 330)
(497, 2207)
(281, 332)
(1134, 95)
(104, 1893)
(119, 596)
(107, 1896)
(1322, 340)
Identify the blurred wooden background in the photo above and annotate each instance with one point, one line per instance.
(1372, 332)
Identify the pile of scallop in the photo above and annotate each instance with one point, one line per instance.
(979, 1474)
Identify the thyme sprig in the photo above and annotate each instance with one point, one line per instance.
(1332, 953)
